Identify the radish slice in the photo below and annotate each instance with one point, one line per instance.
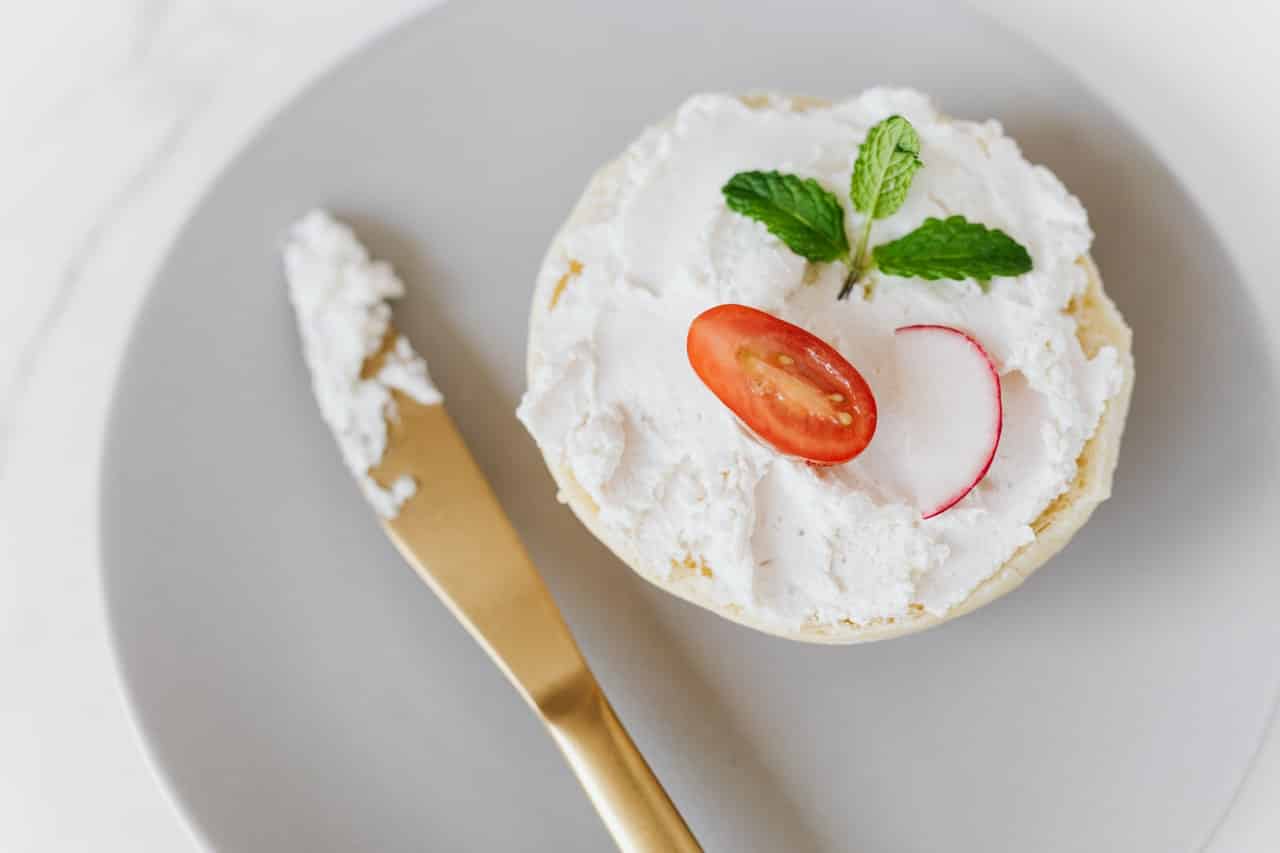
(940, 419)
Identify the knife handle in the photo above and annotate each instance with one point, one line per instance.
(630, 799)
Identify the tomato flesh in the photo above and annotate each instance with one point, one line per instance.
(790, 388)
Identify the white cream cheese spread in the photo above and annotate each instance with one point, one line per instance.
(613, 400)
(341, 299)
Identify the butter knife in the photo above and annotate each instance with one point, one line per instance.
(456, 536)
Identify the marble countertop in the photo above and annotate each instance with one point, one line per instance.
(119, 113)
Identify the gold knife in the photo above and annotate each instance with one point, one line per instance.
(456, 536)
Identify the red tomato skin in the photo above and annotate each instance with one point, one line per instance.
(740, 354)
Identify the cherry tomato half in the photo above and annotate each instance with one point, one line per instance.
(790, 388)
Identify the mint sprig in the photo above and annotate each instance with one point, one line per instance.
(953, 248)
(887, 161)
(810, 219)
(798, 211)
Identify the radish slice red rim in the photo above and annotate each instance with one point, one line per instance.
(941, 418)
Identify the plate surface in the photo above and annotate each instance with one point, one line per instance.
(301, 690)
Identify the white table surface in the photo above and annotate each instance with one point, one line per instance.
(118, 113)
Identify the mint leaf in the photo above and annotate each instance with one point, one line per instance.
(810, 220)
(798, 211)
(953, 248)
(887, 160)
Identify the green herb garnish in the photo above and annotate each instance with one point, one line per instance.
(798, 211)
(953, 248)
(887, 161)
(810, 219)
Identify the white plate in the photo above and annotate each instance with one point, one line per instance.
(301, 690)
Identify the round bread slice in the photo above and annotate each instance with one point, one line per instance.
(1098, 324)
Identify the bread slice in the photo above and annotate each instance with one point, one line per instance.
(1099, 324)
